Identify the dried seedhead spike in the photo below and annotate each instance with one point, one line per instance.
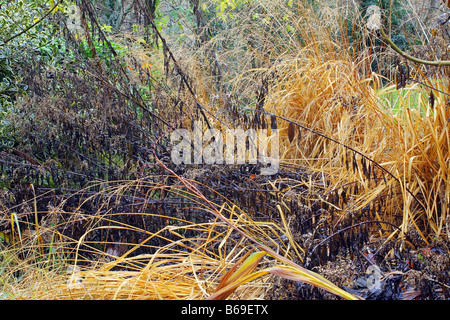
(273, 120)
(399, 80)
(431, 99)
(344, 195)
(346, 160)
(364, 167)
(291, 131)
(235, 112)
(263, 122)
(354, 163)
(256, 121)
(402, 75)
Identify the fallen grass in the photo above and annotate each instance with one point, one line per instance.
(405, 134)
(197, 262)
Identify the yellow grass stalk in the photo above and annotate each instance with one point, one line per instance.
(233, 279)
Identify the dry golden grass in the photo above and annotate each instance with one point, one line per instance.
(409, 139)
(192, 273)
(187, 267)
(162, 277)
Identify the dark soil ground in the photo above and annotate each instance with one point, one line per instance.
(391, 274)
